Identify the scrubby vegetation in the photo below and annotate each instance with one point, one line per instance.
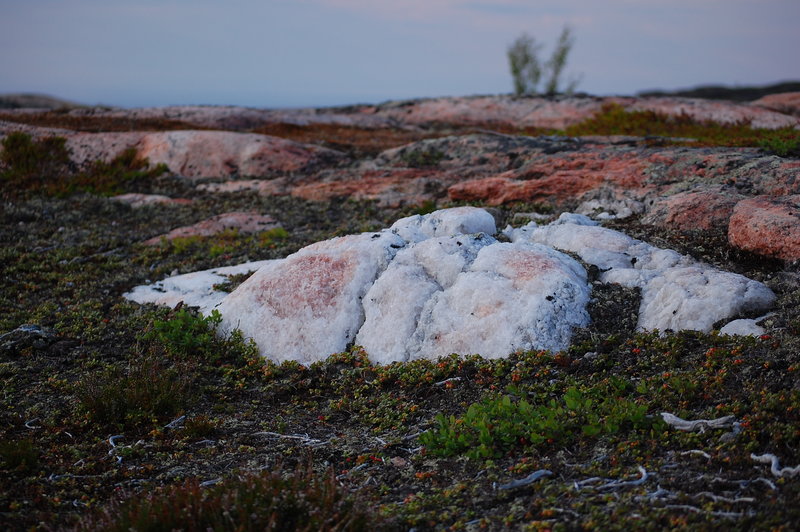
(116, 416)
(615, 120)
(43, 167)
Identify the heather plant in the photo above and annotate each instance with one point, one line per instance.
(148, 389)
(264, 501)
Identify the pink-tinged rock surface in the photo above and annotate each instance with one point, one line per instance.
(557, 179)
(201, 154)
(85, 148)
(720, 112)
(308, 305)
(768, 226)
(198, 154)
(503, 110)
(703, 208)
(137, 200)
(786, 102)
(243, 222)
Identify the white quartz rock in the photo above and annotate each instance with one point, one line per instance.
(677, 291)
(393, 304)
(308, 306)
(445, 222)
(512, 297)
(743, 328)
(194, 289)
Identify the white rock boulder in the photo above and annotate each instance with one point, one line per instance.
(308, 306)
(677, 292)
(441, 283)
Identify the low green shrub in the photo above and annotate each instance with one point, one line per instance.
(782, 147)
(497, 425)
(186, 335)
(265, 501)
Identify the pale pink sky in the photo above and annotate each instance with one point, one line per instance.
(274, 53)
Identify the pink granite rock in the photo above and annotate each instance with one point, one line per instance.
(197, 154)
(785, 102)
(720, 112)
(768, 226)
(244, 222)
(704, 208)
(86, 148)
(136, 200)
(559, 178)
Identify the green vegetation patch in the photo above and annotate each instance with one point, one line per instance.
(615, 120)
(42, 167)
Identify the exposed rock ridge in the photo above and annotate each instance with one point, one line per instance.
(441, 283)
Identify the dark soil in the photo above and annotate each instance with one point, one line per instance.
(70, 346)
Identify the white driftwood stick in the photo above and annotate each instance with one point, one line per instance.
(774, 465)
(698, 424)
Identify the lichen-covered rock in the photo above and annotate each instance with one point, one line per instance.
(445, 222)
(768, 226)
(308, 306)
(677, 292)
(702, 208)
(243, 222)
(512, 297)
(785, 102)
(198, 154)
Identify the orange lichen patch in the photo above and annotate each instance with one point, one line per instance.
(310, 282)
(558, 179)
(768, 226)
(390, 187)
(697, 209)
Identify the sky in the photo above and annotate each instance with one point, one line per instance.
(294, 53)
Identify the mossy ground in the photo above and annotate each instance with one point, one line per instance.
(66, 456)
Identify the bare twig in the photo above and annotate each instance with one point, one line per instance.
(729, 515)
(615, 484)
(697, 451)
(451, 379)
(698, 424)
(775, 468)
(175, 423)
(719, 498)
(530, 479)
(211, 482)
(305, 438)
(30, 422)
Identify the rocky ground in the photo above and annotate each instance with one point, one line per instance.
(106, 400)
